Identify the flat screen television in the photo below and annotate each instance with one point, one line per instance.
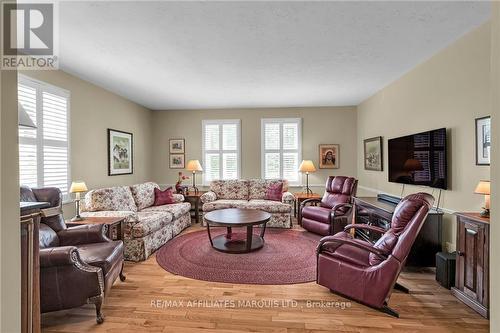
(419, 159)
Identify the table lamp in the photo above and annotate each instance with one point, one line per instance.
(484, 188)
(194, 165)
(305, 167)
(77, 188)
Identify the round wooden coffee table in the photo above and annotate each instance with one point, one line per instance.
(237, 217)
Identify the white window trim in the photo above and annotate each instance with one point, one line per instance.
(280, 121)
(221, 151)
(46, 87)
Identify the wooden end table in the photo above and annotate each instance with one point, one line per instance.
(236, 217)
(299, 198)
(194, 199)
(112, 222)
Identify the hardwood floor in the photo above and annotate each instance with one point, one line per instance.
(153, 300)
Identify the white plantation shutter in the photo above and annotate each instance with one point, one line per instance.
(221, 149)
(44, 151)
(281, 149)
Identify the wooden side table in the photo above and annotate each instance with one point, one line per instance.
(112, 222)
(300, 197)
(194, 199)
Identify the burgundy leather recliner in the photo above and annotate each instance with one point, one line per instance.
(335, 208)
(367, 272)
(78, 265)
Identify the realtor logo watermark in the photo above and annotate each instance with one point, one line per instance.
(29, 36)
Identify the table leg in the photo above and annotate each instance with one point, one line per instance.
(121, 230)
(295, 208)
(196, 211)
(249, 237)
(209, 235)
(229, 233)
(263, 230)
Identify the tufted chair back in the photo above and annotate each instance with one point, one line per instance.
(50, 223)
(406, 223)
(339, 189)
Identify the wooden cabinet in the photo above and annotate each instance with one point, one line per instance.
(378, 211)
(472, 269)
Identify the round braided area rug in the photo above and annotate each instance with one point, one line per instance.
(288, 257)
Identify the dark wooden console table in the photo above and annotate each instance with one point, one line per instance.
(378, 211)
(30, 267)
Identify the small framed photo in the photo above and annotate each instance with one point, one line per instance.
(176, 161)
(373, 154)
(483, 140)
(329, 156)
(120, 153)
(176, 146)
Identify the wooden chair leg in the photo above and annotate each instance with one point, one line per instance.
(97, 301)
(122, 275)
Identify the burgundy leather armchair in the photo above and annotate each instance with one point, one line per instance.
(367, 272)
(78, 265)
(333, 212)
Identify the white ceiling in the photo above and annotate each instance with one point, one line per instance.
(187, 55)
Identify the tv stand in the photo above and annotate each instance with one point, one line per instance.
(378, 211)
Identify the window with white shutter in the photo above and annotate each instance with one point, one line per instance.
(44, 151)
(221, 149)
(281, 148)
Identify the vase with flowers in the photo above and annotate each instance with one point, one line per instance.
(179, 188)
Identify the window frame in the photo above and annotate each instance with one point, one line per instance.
(39, 141)
(281, 121)
(221, 151)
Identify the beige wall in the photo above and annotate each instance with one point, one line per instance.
(319, 125)
(495, 171)
(450, 90)
(92, 111)
(9, 206)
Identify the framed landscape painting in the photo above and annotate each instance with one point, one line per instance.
(120, 153)
(176, 146)
(483, 140)
(373, 154)
(176, 161)
(329, 156)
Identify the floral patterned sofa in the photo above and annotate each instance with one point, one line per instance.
(250, 194)
(147, 227)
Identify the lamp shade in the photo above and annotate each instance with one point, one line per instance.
(412, 164)
(77, 187)
(194, 165)
(307, 166)
(483, 187)
(24, 119)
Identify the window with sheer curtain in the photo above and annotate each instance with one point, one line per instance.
(281, 148)
(44, 151)
(221, 149)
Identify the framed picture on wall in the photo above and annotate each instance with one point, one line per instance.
(329, 156)
(373, 154)
(176, 161)
(176, 146)
(483, 140)
(120, 153)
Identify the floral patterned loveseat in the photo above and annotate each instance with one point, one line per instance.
(250, 194)
(147, 227)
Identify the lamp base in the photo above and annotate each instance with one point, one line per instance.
(485, 213)
(77, 218)
(195, 190)
(309, 191)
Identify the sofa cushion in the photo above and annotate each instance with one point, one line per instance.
(165, 197)
(257, 188)
(176, 209)
(268, 206)
(144, 194)
(148, 222)
(112, 198)
(274, 192)
(223, 203)
(230, 189)
(104, 255)
(320, 214)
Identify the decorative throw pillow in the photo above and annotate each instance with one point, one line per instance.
(274, 192)
(164, 197)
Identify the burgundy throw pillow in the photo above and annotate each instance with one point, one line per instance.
(274, 192)
(164, 197)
